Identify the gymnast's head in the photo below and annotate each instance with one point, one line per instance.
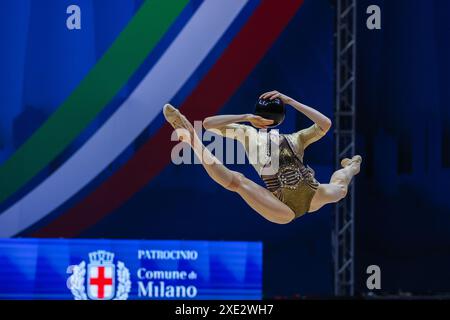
(271, 109)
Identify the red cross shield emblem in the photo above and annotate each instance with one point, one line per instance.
(101, 280)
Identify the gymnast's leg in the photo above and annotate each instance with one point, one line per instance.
(257, 197)
(338, 186)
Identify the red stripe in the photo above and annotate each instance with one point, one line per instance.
(225, 77)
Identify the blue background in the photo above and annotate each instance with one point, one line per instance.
(403, 134)
(44, 62)
(403, 203)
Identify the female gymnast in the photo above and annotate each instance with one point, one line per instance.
(290, 192)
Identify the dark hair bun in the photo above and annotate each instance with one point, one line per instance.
(271, 109)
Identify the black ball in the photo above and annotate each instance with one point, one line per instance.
(271, 109)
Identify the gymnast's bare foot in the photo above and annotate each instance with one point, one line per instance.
(180, 123)
(355, 162)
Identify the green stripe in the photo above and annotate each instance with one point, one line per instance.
(96, 90)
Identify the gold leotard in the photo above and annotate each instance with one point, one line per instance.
(294, 183)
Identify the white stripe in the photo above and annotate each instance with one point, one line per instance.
(164, 80)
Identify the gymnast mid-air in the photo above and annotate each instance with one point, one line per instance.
(291, 190)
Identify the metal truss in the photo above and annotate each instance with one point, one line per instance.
(345, 107)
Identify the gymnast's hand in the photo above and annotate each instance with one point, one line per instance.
(259, 122)
(275, 94)
(318, 118)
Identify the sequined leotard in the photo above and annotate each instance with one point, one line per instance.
(294, 183)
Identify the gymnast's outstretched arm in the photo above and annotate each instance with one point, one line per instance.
(216, 122)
